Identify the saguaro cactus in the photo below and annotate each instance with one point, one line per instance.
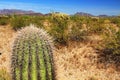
(32, 55)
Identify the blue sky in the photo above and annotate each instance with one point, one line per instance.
(95, 7)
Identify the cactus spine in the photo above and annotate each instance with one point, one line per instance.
(32, 57)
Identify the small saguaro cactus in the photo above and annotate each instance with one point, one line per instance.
(32, 55)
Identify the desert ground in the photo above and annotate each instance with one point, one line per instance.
(77, 61)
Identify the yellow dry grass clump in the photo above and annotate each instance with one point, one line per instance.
(77, 61)
(6, 34)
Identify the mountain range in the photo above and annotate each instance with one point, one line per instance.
(83, 14)
(30, 12)
(17, 11)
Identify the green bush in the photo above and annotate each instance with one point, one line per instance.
(19, 21)
(64, 27)
(4, 20)
(78, 31)
(59, 28)
(112, 45)
(116, 20)
(80, 19)
(112, 42)
(78, 34)
(95, 26)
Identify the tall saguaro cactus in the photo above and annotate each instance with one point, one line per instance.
(32, 57)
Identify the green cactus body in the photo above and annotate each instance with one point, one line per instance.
(32, 55)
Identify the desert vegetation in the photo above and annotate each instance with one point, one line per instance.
(87, 48)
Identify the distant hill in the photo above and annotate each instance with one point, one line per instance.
(30, 12)
(88, 14)
(103, 15)
(19, 12)
(83, 14)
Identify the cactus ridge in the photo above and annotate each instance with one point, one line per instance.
(32, 56)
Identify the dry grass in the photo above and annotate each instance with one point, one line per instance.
(4, 75)
(76, 62)
(6, 34)
(80, 63)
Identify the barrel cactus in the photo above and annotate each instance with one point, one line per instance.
(32, 55)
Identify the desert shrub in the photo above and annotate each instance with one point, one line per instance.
(37, 20)
(80, 19)
(93, 25)
(4, 20)
(59, 28)
(96, 27)
(116, 20)
(4, 75)
(78, 34)
(112, 42)
(78, 31)
(110, 48)
(19, 21)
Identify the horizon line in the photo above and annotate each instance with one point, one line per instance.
(52, 11)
